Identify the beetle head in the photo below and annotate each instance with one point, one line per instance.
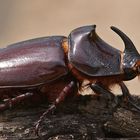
(131, 58)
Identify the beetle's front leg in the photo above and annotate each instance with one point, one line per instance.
(99, 89)
(64, 93)
(8, 103)
(127, 96)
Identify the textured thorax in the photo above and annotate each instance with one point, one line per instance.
(91, 55)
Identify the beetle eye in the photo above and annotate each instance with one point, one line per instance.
(137, 67)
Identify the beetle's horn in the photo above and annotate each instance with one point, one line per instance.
(129, 46)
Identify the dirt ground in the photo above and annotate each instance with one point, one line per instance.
(21, 20)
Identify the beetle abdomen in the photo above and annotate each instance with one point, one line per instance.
(32, 62)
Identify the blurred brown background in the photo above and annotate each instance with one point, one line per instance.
(26, 19)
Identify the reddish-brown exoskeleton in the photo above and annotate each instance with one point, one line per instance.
(56, 65)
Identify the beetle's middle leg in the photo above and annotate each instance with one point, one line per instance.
(127, 96)
(61, 97)
(8, 103)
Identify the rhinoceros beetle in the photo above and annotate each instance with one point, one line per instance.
(57, 66)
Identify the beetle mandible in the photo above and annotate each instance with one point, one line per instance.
(65, 63)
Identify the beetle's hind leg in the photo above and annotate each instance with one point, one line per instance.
(63, 94)
(100, 89)
(8, 103)
(127, 96)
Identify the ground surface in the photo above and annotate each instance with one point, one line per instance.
(85, 118)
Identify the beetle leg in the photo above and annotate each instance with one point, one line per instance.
(99, 89)
(63, 94)
(8, 103)
(127, 96)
